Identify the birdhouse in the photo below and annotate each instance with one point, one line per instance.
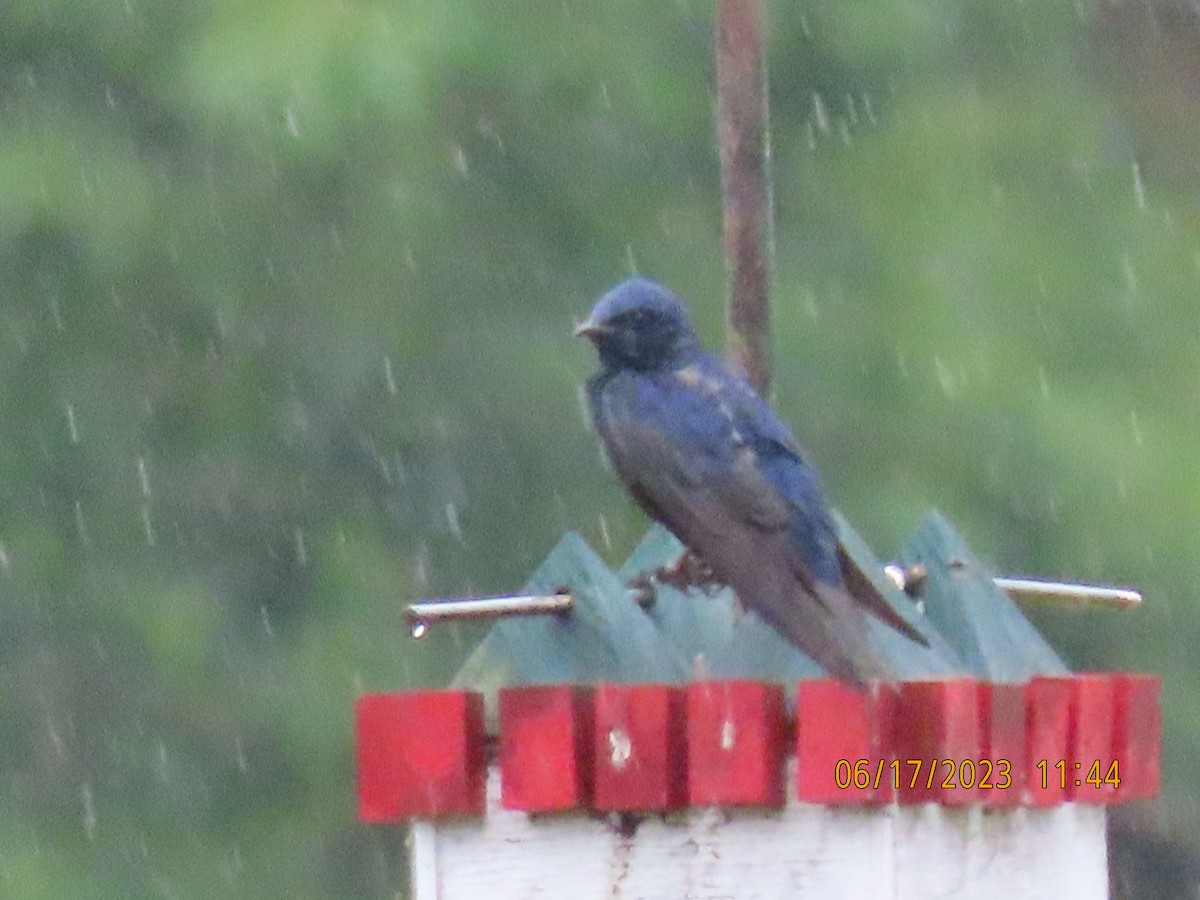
(682, 748)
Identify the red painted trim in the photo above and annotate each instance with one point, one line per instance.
(736, 742)
(1091, 755)
(1005, 743)
(1049, 709)
(1137, 735)
(545, 747)
(936, 748)
(419, 755)
(841, 735)
(640, 758)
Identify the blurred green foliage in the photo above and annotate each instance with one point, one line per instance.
(286, 291)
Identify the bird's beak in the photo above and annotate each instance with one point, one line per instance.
(591, 329)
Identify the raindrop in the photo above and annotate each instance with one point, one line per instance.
(1139, 187)
(820, 116)
(1131, 279)
(945, 378)
(5, 560)
(292, 122)
(89, 810)
(143, 476)
(56, 314)
(810, 304)
(160, 767)
(72, 425)
(421, 565)
(56, 739)
(266, 621)
(459, 157)
(301, 549)
(488, 130)
(239, 751)
(851, 109)
(81, 525)
(1044, 382)
(604, 535)
(868, 108)
(1138, 437)
(148, 526)
(418, 628)
(389, 377)
(452, 520)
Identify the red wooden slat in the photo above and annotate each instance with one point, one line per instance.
(1137, 735)
(1090, 757)
(1048, 770)
(1004, 743)
(419, 755)
(545, 747)
(936, 744)
(840, 734)
(736, 739)
(640, 756)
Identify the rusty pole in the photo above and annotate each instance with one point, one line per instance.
(742, 123)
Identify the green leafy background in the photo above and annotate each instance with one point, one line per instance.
(286, 292)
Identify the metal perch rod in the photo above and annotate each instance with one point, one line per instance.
(910, 579)
(421, 616)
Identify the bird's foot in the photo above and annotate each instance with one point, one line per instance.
(689, 571)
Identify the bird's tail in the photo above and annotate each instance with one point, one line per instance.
(867, 596)
(853, 657)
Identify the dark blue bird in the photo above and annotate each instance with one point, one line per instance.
(703, 454)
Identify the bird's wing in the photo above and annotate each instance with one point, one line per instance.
(818, 554)
(679, 452)
(702, 459)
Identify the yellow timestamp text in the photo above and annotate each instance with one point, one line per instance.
(1097, 774)
(984, 774)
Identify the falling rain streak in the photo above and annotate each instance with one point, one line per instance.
(301, 548)
(143, 476)
(72, 425)
(1139, 187)
(148, 526)
(89, 810)
(81, 526)
(389, 377)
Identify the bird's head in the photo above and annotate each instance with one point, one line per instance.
(638, 324)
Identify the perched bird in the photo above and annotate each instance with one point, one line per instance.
(705, 455)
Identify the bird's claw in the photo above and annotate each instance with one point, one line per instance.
(689, 571)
